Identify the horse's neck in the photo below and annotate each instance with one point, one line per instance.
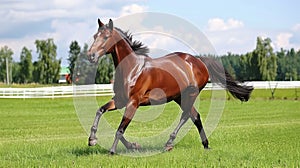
(124, 55)
(128, 65)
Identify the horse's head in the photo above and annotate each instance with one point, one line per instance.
(103, 41)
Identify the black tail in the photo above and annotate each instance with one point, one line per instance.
(220, 76)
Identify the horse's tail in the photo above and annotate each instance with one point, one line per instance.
(220, 76)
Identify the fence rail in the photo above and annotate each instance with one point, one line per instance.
(58, 91)
(107, 90)
(274, 84)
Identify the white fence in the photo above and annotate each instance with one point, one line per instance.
(106, 90)
(273, 84)
(58, 91)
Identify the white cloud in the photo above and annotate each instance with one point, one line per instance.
(76, 20)
(218, 24)
(238, 41)
(34, 16)
(283, 40)
(67, 31)
(158, 43)
(28, 41)
(68, 4)
(296, 27)
(66, 20)
(131, 9)
(232, 36)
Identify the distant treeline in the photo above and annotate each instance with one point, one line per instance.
(47, 68)
(261, 64)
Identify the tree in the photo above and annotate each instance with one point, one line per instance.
(260, 64)
(249, 67)
(48, 67)
(266, 59)
(26, 67)
(288, 62)
(297, 64)
(74, 53)
(90, 73)
(291, 67)
(16, 72)
(231, 63)
(84, 71)
(105, 70)
(5, 62)
(281, 65)
(35, 72)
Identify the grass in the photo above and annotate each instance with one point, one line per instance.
(47, 133)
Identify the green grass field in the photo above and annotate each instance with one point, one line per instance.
(259, 133)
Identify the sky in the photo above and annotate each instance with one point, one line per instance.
(230, 26)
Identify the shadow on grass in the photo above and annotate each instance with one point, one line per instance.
(88, 150)
(98, 150)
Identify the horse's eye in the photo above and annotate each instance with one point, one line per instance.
(97, 35)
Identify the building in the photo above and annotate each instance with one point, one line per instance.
(64, 75)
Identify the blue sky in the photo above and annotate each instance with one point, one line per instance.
(231, 25)
(267, 14)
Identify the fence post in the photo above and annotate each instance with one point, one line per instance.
(52, 90)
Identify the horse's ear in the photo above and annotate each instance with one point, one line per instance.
(110, 24)
(100, 23)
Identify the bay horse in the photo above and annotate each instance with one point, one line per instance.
(141, 81)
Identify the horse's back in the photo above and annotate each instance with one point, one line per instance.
(184, 67)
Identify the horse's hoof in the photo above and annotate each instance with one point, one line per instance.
(135, 146)
(207, 148)
(92, 141)
(111, 152)
(168, 148)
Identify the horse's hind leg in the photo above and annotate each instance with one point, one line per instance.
(186, 102)
(169, 145)
(195, 116)
(108, 106)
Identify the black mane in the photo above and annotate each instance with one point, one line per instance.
(138, 47)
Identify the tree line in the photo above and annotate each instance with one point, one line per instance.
(46, 70)
(261, 64)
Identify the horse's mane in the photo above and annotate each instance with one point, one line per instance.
(137, 46)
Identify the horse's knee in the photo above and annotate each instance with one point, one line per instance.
(172, 136)
(100, 111)
(119, 134)
(93, 128)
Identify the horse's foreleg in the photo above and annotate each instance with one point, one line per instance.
(169, 145)
(195, 116)
(107, 107)
(127, 117)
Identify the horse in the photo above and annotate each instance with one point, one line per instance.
(141, 81)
